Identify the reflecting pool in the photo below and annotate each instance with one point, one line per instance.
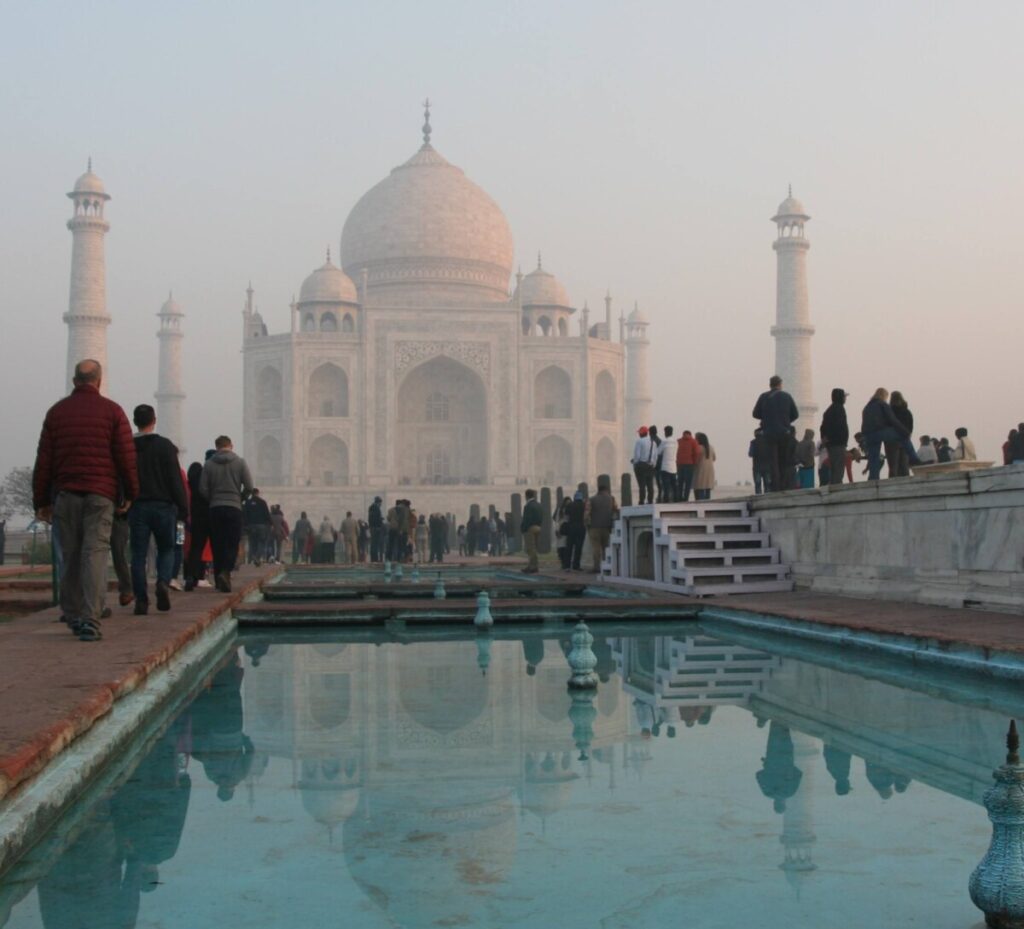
(706, 783)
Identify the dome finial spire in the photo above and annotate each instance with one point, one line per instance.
(426, 121)
(89, 164)
(328, 254)
(539, 265)
(791, 190)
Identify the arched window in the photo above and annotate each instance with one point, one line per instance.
(348, 324)
(437, 408)
(553, 461)
(526, 325)
(437, 466)
(328, 462)
(328, 392)
(328, 323)
(545, 325)
(604, 458)
(552, 394)
(309, 323)
(268, 393)
(604, 397)
(268, 461)
(563, 327)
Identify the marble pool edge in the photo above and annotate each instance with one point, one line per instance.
(38, 804)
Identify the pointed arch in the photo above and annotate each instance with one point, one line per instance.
(604, 397)
(269, 461)
(268, 393)
(552, 394)
(328, 462)
(328, 391)
(442, 404)
(605, 458)
(552, 461)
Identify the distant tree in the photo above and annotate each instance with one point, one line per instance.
(16, 493)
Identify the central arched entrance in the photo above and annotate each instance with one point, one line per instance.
(442, 418)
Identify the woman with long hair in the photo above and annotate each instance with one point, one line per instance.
(895, 454)
(704, 473)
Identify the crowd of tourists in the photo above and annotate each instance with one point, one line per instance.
(781, 461)
(667, 469)
(111, 492)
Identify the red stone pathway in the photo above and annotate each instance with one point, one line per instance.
(989, 631)
(54, 687)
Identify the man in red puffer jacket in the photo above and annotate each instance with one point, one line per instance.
(85, 450)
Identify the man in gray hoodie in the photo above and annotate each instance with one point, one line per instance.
(225, 483)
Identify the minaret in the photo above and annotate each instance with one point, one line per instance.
(793, 330)
(87, 316)
(170, 393)
(638, 386)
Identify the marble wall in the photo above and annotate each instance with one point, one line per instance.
(950, 540)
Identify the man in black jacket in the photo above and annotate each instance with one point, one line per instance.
(777, 412)
(835, 435)
(155, 512)
(256, 515)
(376, 520)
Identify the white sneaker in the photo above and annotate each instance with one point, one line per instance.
(174, 585)
(203, 583)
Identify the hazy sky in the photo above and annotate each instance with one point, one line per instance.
(643, 147)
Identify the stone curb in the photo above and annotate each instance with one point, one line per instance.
(32, 757)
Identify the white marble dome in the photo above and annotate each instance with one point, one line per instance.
(542, 288)
(328, 284)
(427, 234)
(791, 207)
(89, 183)
(171, 307)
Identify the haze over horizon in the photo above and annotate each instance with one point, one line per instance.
(641, 153)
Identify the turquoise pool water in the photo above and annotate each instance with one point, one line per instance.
(377, 784)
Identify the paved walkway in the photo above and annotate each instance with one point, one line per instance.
(989, 631)
(54, 687)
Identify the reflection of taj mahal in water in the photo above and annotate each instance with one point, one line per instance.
(412, 364)
(367, 736)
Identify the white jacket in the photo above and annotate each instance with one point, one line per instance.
(643, 450)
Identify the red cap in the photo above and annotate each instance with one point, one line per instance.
(642, 430)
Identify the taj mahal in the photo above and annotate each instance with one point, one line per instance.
(416, 365)
(420, 365)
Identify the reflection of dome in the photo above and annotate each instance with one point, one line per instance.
(328, 284)
(553, 700)
(548, 783)
(329, 805)
(541, 288)
(443, 693)
(448, 857)
(428, 234)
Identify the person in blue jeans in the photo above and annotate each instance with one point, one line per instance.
(155, 512)
(880, 425)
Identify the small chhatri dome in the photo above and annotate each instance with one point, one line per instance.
(89, 183)
(541, 288)
(637, 316)
(428, 234)
(791, 208)
(328, 284)
(170, 307)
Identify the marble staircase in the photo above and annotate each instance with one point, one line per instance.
(698, 548)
